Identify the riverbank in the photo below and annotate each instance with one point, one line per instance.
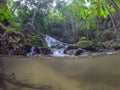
(28, 42)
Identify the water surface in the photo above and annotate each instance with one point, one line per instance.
(66, 73)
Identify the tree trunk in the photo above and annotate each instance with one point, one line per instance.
(115, 6)
(33, 18)
(112, 19)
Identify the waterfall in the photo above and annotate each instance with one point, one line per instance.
(56, 46)
(51, 42)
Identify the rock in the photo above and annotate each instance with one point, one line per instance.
(73, 50)
(112, 44)
(28, 30)
(10, 43)
(27, 48)
(45, 51)
(72, 46)
(86, 44)
(32, 36)
(37, 50)
(79, 51)
(91, 46)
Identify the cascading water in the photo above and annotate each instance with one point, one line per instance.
(56, 46)
(51, 42)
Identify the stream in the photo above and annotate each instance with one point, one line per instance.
(101, 72)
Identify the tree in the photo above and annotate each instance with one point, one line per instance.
(35, 11)
(112, 2)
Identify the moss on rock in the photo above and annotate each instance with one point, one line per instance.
(90, 45)
(32, 36)
(85, 44)
(116, 46)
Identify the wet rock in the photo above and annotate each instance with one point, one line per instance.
(73, 50)
(79, 51)
(45, 51)
(27, 48)
(72, 46)
(37, 50)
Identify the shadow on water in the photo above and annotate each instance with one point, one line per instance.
(66, 73)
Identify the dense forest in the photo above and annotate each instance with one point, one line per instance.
(86, 23)
(43, 44)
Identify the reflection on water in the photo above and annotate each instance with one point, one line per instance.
(66, 73)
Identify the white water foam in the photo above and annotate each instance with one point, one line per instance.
(58, 47)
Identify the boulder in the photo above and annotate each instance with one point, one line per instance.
(85, 44)
(10, 43)
(112, 44)
(32, 36)
(27, 48)
(90, 45)
(79, 51)
(73, 50)
(45, 51)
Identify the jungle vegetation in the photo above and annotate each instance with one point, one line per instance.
(66, 20)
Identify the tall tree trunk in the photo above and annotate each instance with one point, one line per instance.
(112, 19)
(115, 6)
(99, 37)
(33, 18)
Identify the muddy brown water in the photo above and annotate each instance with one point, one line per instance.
(66, 73)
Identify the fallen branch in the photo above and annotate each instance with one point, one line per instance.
(24, 84)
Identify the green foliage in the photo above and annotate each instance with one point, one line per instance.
(67, 21)
(4, 28)
(34, 40)
(118, 35)
(108, 35)
(5, 15)
(39, 22)
(82, 38)
(98, 46)
(54, 22)
(116, 46)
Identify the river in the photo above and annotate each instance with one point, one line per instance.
(101, 72)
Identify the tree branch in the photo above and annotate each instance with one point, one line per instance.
(115, 6)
